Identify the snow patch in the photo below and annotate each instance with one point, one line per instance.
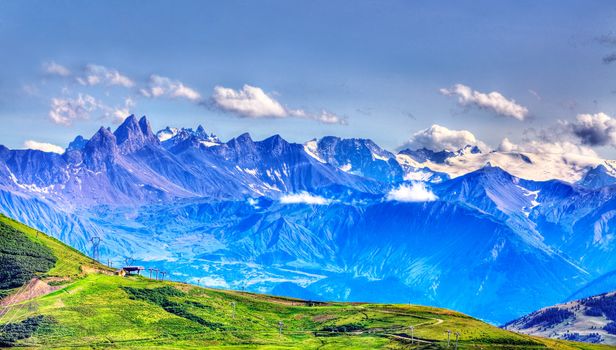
(377, 156)
(346, 167)
(209, 143)
(312, 150)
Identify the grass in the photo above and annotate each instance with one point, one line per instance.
(100, 310)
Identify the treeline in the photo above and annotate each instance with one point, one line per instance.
(601, 305)
(21, 258)
(548, 317)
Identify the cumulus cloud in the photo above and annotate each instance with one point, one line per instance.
(304, 198)
(416, 192)
(253, 102)
(438, 138)
(159, 86)
(96, 74)
(66, 110)
(250, 101)
(493, 101)
(54, 68)
(595, 129)
(42, 146)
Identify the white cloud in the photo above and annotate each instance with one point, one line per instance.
(438, 138)
(253, 102)
(493, 101)
(160, 86)
(303, 197)
(56, 69)
(97, 74)
(417, 192)
(595, 129)
(250, 101)
(66, 110)
(42, 146)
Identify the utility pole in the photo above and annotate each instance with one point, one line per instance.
(150, 269)
(95, 240)
(163, 273)
(448, 336)
(412, 335)
(156, 274)
(233, 305)
(280, 325)
(457, 336)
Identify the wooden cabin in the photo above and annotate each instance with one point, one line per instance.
(131, 270)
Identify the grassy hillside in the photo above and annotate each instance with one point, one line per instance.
(92, 308)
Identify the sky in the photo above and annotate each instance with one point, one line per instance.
(535, 76)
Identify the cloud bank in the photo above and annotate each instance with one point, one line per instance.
(494, 101)
(417, 192)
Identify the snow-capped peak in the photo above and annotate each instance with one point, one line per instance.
(166, 133)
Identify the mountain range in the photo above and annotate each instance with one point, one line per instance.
(495, 235)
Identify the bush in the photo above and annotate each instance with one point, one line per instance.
(21, 330)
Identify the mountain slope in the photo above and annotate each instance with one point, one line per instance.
(91, 307)
(591, 319)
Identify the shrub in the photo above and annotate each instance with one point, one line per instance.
(13, 332)
(160, 297)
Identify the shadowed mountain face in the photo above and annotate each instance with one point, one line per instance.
(330, 219)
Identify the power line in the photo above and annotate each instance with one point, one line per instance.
(96, 241)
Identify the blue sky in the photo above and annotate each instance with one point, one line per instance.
(385, 70)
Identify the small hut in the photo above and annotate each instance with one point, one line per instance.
(132, 270)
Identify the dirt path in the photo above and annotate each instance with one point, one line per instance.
(34, 288)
